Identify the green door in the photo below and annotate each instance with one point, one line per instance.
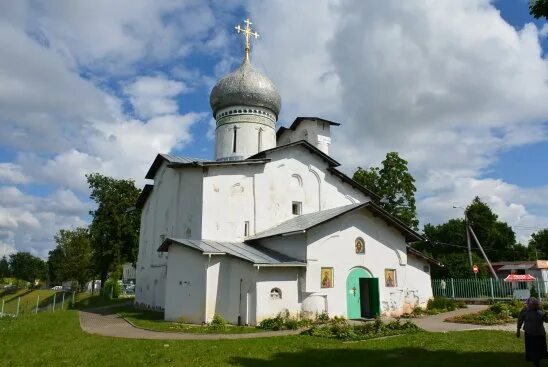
(353, 305)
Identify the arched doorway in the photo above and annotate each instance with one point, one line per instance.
(362, 294)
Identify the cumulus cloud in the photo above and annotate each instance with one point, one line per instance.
(448, 85)
(12, 173)
(28, 222)
(152, 96)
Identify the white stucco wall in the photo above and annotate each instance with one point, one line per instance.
(263, 194)
(173, 209)
(317, 133)
(186, 285)
(285, 279)
(226, 295)
(419, 283)
(333, 245)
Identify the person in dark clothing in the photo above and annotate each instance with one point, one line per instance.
(532, 319)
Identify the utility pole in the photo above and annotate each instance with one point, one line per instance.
(469, 244)
(483, 252)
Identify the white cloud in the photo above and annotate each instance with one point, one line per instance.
(28, 222)
(153, 96)
(12, 173)
(448, 85)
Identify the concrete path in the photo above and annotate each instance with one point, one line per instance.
(436, 323)
(105, 322)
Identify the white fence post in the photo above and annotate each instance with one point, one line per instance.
(492, 290)
(2, 312)
(453, 287)
(63, 302)
(18, 303)
(37, 303)
(73, 298)
(54, 296)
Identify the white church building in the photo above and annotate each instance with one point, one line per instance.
(271, 224)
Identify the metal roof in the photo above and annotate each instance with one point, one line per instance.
(160, 158)
(143, 196)
(258, 255)
(300, 119)
(516, 266)
(303, 143)
(304, 222)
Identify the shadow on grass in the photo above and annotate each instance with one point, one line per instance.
(409, 357)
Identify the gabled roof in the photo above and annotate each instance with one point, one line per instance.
(143, 196)
(304, 144)
(330, 161)
(297, 122)
(174, 161)
(303, 223)
(170, 158)
(414, 251)
(257, 255)
(353, 183)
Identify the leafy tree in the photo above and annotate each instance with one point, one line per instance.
(114, 230)
(55, 265)
(539, 241)
(72, 258)
(447, 242)
(4, 268)
(395, 185)
(496, 237)
(538, 8)
(27, 267)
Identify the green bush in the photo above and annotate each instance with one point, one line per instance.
(322, 317)
(339, 328)
(273, 323)
(283, 321)
(218, 323)
(112, 288)
(442, 303)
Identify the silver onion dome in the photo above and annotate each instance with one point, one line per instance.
(245, 86)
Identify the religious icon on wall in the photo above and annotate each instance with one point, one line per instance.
(327, 277)
(360, 246)
(390, 277)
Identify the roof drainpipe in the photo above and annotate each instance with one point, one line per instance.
(240, 305)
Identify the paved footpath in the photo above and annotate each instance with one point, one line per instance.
(106, 322)
(436, 323)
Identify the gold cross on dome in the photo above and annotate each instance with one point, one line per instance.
(247, 32)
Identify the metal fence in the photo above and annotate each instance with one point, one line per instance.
(487, 289)
(31, 302)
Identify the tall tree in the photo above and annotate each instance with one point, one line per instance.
(494, 236)
(55, 263)
(27, 267)
(447, 242)
(72, 258)
(539, 241)
(395, 185)
(4, 268)
(538, 8)
(114, 229)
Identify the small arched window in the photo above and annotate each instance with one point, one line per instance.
(275, 293)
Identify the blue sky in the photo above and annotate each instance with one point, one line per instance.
(458, 89)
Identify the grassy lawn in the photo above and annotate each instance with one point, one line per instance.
(55, 339)
(29, 297)
(88, 300)
(155, 321)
